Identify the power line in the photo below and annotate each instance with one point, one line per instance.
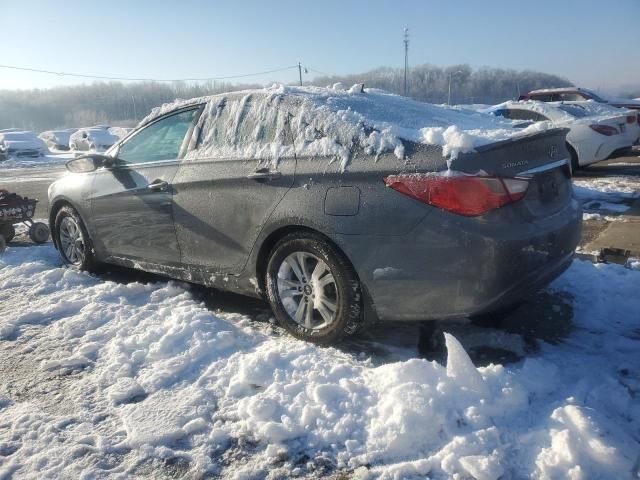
(318, 71)
(128, 79)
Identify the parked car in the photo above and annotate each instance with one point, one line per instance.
(21, 144)
(57, 139)
(592, 137)
(339, 208)
(97, 139)
(572, 94)
(632, 129)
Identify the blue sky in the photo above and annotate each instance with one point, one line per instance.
(593, 43)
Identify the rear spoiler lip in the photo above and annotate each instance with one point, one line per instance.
(542, 168)
(552, 132)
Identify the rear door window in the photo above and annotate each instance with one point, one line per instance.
(244, 127)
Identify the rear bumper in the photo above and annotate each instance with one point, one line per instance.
(614, 144)
(452, 266)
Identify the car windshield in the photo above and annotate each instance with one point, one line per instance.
(574, 110)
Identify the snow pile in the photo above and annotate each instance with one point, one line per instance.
(138, 376)
(612, 194)
(332, 121)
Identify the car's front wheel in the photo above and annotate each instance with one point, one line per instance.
(73, 240)
(313, 290)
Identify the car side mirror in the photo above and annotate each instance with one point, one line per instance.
(89, 163)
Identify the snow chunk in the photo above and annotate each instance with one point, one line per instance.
(482, 467)
(461, 368)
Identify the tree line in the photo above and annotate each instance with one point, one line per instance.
(124, 104)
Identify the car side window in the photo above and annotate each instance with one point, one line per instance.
(541, 97)
(571, 97)
(161, 140)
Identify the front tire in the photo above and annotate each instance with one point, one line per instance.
(313, 290)
(73, 241)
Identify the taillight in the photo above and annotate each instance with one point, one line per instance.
(631, 119)
(605, 129)
(458, 193)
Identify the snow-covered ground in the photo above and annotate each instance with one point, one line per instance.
(606, 194)
(105, 379)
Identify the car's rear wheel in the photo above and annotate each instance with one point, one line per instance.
(313, 290)
(73, 241)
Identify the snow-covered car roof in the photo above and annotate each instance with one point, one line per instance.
(99, 135)
(17, 135)
(27, 144)
(59, 136)
(564, 89)
(120, 132)
(378, 120)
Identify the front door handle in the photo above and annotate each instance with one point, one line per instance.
(264, 173)
(158, 186)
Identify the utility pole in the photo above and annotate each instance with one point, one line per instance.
(300, 72)
(406, 58)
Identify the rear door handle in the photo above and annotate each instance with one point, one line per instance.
(264, 173)
(158, 186)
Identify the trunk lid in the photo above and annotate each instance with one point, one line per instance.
(542, 158)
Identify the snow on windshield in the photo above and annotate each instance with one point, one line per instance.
(332, 121)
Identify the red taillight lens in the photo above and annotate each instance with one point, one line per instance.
(631, 119)
(605, 129)
(461, 194)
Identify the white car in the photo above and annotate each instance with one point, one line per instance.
(570, 94)
(97, 138)
(592, 137)
(57, 139)
(20, 144)
(632, 130)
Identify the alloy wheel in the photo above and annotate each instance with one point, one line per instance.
(71, 241)
(307, 290)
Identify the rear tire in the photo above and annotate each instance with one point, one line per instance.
(39, 232)
(313, 290)
(72, 240)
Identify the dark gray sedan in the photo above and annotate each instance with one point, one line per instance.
(339, 208)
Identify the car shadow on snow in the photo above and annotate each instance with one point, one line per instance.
(501, 338)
